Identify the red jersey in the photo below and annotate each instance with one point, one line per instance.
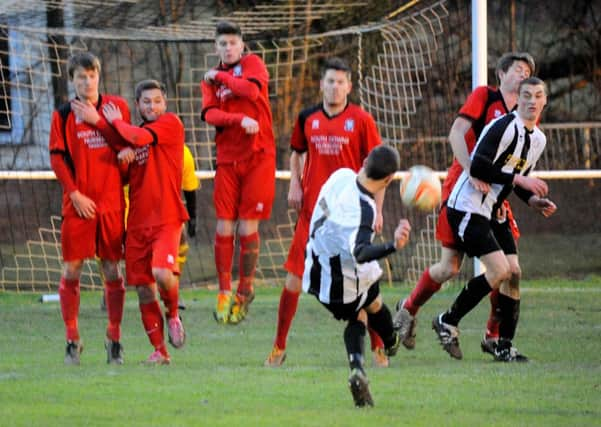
(155, 176)
(82, 158)
(331, 143)
(483, 105)
(240, 89)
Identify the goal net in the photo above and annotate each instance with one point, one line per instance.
(411, 63)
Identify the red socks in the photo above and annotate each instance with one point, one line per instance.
(249, 254)
(376, 341)
(69, 298)
(286, 312)
(492, 326)
(152, 319)
(224, 252)
(170, 298)
(423, 291)
(115, 299)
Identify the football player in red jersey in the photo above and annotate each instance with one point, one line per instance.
(156, 212)
(331, 135)
(483, 105)
(93, 205)
(235, 100)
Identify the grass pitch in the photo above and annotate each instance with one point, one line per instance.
(218, 378)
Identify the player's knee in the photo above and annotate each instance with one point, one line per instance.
(246, 227)
(72, 269)
(293, 283)
(375, 306)
(146, 294)
(164, 277)
(110, 270)
(362, 317)
(501, 273)
(514, 280)
(225, 227)
(443, 271)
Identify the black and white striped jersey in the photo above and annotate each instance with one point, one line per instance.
(342, 222)
(505, 148)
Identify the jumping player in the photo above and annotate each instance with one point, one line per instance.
(235, 100)
(506, 153)
(93, 204)
(156, 212)
(341, 267)
(326, 137)
(483, 105)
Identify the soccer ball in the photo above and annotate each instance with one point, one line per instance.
(421, 189)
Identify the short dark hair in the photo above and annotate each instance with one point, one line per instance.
(381, 162)
(533, 81)
(507, 59)
(337, 64)
(86, 60)
(227, 27)
(147, 85)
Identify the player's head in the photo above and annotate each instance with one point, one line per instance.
(335, 82)
(84, 71)
(512, 68)
(382, 163)
(532, 98)
(151, 99)
(228, 42)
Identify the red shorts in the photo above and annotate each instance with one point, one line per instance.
(295, 263)
(444, 233)
(100, 236)
(151, 247)
(246, 189)
(513, 225)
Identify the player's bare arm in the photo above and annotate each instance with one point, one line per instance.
(379, 198)
(85, 111)
(401, 234)
(536, 185)
(295, 191)
(542, 205)
(84, 206)
(460, 127)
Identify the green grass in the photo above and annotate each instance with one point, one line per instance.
(218, 378)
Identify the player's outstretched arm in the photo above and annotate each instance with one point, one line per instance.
(379, 198)
(86, 112)
(542, 205)
(132, 134)
(365, 250)
(460, 127)
(401, 234)
(537, 186)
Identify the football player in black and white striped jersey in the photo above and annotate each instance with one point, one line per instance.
(341, 268)
(505, 154)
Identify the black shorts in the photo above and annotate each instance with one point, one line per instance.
(349, 311)
(504, 236)
(473, 233)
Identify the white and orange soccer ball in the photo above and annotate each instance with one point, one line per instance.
(421, 189)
